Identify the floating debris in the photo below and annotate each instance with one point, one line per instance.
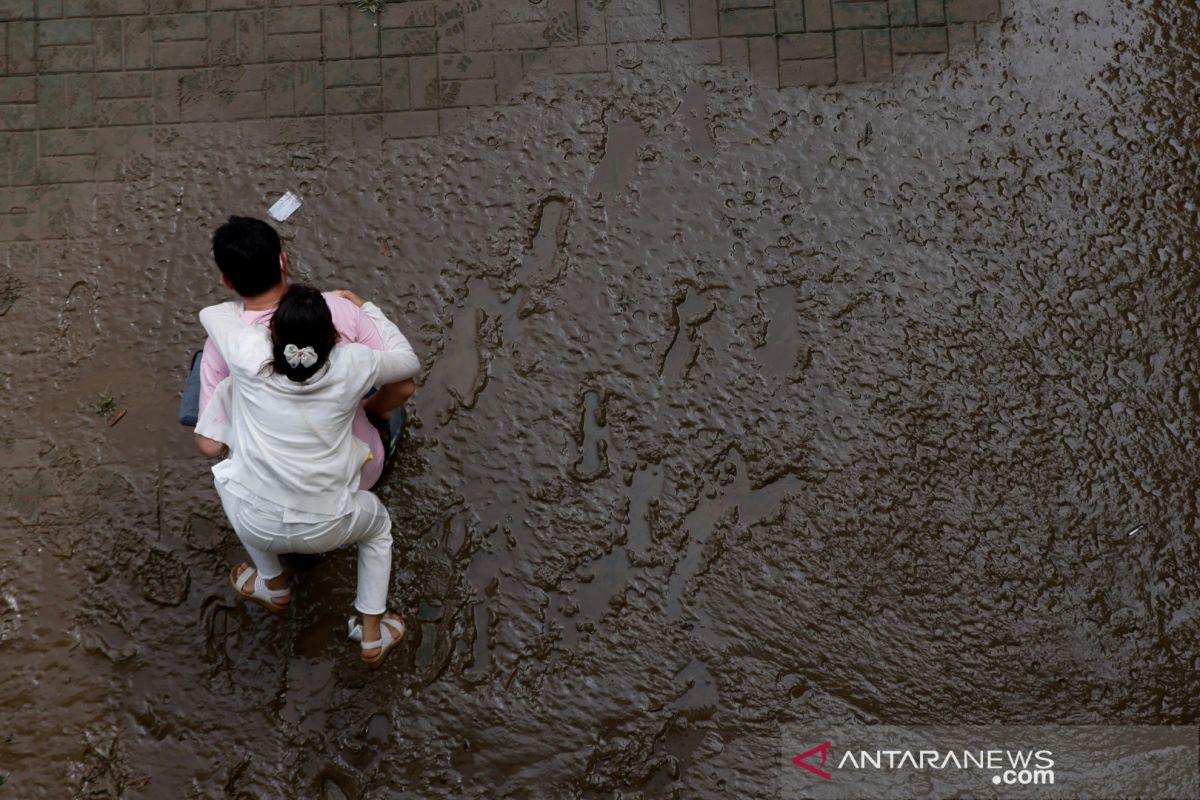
(1135, 531)
(284, 207)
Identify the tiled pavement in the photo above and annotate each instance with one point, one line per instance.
(87, 87)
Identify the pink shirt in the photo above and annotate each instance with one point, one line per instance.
(352, 326)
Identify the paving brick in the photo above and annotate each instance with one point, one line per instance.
(477, 32)
(906, 41)
(877, 53)
(43, 9)
(789, 15)
(81, 100)
(335, 31)
(18, 90)
(179, 27)
(510, 71)
(467, 66)
(222, 38)
(126, 84)
(972, 10)
(356, 72)
(364, 36)
(105, 8)
(297, 131)
(808, 73)
(251, 37)
(798, 46)
(67, 142)
(116, 147)
(410, 124)
(902, 12)
(929, 12)
(178, 6)
(64, 31)
(65, 169)
(519, 36)
(634, 29)
(676, 17)
(310, 88)
(468, 93)
(408, 41)
(180, 54)
(747, 22)
(353, 99)
(591, 17)
(641, 8)
(21, 46)
(109, 42)
(294, 47)
(136, 37)
(961, 38)
(450, 27)
(235, 5)
(588, 58)
(764, 61)
(861, 15)
(125, 111)
(409, 15)
(423, 82)
(51, 101)
(18, 9)
(564, 21)
(18, 116)
(22, 158)
(849, 47)
(294, 20)
(395, 84)
(818, 16)
(361, 130)
(735, 54)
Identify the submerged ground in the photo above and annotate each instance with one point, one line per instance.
(784, 363)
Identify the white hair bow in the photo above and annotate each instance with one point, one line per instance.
(299, 356)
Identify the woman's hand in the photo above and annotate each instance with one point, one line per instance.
(351, 296)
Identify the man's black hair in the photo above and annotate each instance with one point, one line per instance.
(247, 253)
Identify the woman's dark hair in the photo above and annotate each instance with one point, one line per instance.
(302, 318)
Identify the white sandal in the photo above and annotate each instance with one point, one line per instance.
(262, 595)
(385, 642)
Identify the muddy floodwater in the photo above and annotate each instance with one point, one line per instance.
(765, 383)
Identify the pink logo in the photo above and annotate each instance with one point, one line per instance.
(823, 749)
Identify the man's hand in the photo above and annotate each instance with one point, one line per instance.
(351, 296)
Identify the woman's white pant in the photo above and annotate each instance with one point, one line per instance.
(265, 535)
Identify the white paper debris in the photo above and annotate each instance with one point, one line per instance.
(284, 207)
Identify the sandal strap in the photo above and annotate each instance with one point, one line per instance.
(261, 588)
(247, 574)
(386, 624)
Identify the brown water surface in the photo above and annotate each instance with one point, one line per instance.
(742, 406)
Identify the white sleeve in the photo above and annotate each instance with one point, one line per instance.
(222, 322)
(214, 422)
(397, 362)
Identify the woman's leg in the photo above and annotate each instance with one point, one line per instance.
(265, 563)
(372, 531)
